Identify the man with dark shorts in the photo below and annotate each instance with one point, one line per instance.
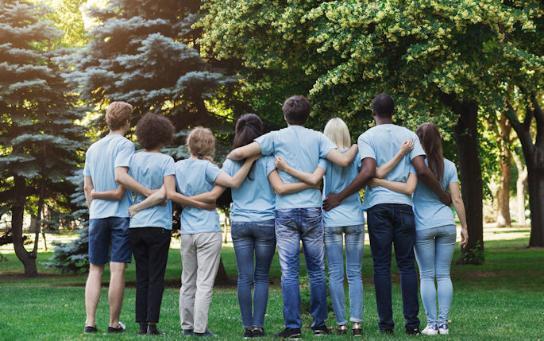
(108, 216)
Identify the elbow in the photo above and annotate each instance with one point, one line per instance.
(170, 195)
(87, 188)
(279, 190)
(371, 173)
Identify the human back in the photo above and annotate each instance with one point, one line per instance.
(149, 169)
(382, 143)
(112, 151)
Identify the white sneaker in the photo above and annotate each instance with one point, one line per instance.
(430, 330)
(443, 329)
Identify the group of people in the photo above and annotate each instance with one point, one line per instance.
(290, 186)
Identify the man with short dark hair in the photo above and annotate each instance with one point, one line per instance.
(298, 215)
(390, 216)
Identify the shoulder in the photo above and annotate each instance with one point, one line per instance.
(449, 165)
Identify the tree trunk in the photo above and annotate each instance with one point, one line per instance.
(505, 159)
(521, 189)
(534, 159)
(466, 137)
(17, 218)
(222, 277)
(536, 203)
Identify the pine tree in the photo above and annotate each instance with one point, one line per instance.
(146, 53)
(38, 138)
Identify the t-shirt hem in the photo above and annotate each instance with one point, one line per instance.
(109, 216)
(350, 223)
(153, 226)
(292, 208)
(425, 227)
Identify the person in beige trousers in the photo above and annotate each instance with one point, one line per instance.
(200, 230)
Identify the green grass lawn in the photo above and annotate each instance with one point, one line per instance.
(502, 299)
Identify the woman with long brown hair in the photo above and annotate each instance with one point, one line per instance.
(436, 232)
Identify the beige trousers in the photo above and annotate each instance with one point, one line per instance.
(200, 255)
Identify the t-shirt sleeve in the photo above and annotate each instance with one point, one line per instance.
(452, 173)
(412, 169)
(266, 142)
(86, 170)
(323, 163)
(228, 167)
(418, 149)
(123, 156)
(325, 146)
(365, 148)
(212, 171)
(270, 164)
(170, 167)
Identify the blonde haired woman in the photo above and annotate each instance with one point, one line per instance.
(200, 230)
(343, 222)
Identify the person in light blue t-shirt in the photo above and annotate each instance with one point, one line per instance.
(253, 231)
(343, 222)
(389, 213)
(200, 230)
(108, 215)
(436, 232)
(298, 215)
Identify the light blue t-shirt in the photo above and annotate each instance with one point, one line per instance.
(255, 199)
(429, 211)
(101, 159)
(336, 178)
(301, 148)
(195, 177)
(149, 169)
(382, 143)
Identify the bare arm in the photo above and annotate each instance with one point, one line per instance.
(225, 180)
(425, 175)
(157, 198)
(122, 178)
(251, 150)
(283, 188)
(342, 159)
(113, 195)
(368, 171)
(460, 209)
(312, 179)
(211, 196)
(171, 194)
(88, 188)
(383, 170)
(407, 187)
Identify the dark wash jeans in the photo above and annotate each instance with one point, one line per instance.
(394, 224)
(293, 226)
(254, 246)
(150, 248)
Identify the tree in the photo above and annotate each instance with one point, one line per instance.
(431, 56)
(145, 53)
(38, 136)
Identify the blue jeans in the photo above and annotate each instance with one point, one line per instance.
(292, 226)
(394, 224)
(434, 251)
(254, 245)
(334, 240)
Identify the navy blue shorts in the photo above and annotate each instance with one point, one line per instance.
(108, 240)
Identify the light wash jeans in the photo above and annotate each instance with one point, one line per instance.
(292, 227)
(334, 240)
(254, 245)
(434, 252)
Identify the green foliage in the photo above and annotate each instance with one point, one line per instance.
(144, 53)
(39, 137)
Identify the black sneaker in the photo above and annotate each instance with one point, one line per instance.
(341, 329)
(413, 331)
(207, 333)
(289, 333)
(143, 328)
(90, 330)
(152, 330)
(188, 332)
(248, 333)
(258, 332)
(321, 331)
(119, 329)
